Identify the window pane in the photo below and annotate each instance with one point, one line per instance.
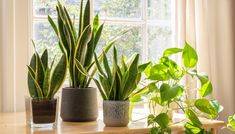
(48, 7)
(45, 37)
(160, 38)
(130, 43)
(118, 8)
(159, 9)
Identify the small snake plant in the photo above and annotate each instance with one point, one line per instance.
(45, 80)
(121, 82)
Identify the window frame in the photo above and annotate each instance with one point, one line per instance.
(17, 33)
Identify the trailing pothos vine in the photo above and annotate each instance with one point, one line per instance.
(166, 88)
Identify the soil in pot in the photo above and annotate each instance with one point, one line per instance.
(44, 111)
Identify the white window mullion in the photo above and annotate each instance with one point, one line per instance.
(92, 10)
(144, 31)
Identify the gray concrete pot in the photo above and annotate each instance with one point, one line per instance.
(116, 113)
(79, 104)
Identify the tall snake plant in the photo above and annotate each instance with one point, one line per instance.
(79, 44)
(44, 80)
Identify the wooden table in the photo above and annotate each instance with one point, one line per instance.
(14, 123)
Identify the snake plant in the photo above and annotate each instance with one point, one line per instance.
(78, 44)
(45, 80)
(120, 82)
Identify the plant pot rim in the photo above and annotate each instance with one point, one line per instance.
(41, 98)
(117, 101)
(86, 88)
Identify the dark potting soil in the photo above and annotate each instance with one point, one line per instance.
(44, 111)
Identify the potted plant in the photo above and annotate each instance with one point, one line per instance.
(117, 86)
(168, 89)
(79, 101)
(44, 81)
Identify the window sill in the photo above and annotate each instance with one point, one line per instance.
(14, 123)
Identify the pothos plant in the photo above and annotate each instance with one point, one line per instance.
(166, 88)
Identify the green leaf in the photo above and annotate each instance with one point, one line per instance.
(96, 22)
(171, 51)
(58, 76)
(71, 26)
(98, 35)
(203, 77)
(106, 67)
(53, 24)
(164, 90)
(100, 89)
(86, 15)
(231, 123)
(64, 46)
(155, 130)
(131, 84)
(136, 98)
(124, 81)
(192, 128)
(179, 88)
(175, 71)
(205, 106)
(40, 71)
(167, 93)
(123, 66)
(147, 70)
(46, 83)
(44, 59)
(189, 56)
(206, 86)
(32, 71)
(34, 84)
(150, 119)
(98, 66)
(152, 87)
(159, 72)
(92, 45)
(215, 104)
(142, 67)
(206, 89)
(193, 118)
(162, 120)
(84, 72)
(157, 100)
(82, 44)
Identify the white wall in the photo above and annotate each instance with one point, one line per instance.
(15, 40)
(1, 56)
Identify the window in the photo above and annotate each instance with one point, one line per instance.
(150, 22)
